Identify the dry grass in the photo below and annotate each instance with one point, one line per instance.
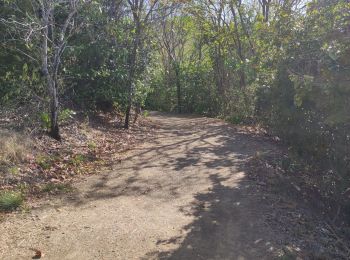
(13, 147)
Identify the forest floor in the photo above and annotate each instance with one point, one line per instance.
(198, 189)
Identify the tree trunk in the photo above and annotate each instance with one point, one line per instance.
(178, 88)
(54, 131)
(239, 47)
(137, 112)
(129, 104)
(265, 5)
(267, 11)
(130, 89)
(219, 69)
(132, 64)
(244, 27)
(50, 81)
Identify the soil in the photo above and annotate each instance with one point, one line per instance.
(199, 190)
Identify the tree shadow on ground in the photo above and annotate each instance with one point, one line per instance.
(181, 153)
(227, 225)
(247, 210)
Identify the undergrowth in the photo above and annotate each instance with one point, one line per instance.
(57, 188)
(14, 147)
(10, 200)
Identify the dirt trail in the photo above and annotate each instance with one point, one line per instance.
(187, 194)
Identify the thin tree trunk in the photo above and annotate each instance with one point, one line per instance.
(52, 90)
(244, 28)
(130, 92)
(137, 112)
(219, 70)
(267, 11)
(178, 88)
(242, 75)
(132, 64)
(128, 107)
(54, 131)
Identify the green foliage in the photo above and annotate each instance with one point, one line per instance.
(10, 200)
(146, 113)
(307, 103)
(235, 120)
(78, 159)
(13, 170)
(64, 116)
(92, 145)
(45, 161)
(45, 120)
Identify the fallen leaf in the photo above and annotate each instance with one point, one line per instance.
(38, 253)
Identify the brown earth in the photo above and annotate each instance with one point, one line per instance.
(195, 191)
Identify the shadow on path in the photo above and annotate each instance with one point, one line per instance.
(239, 209)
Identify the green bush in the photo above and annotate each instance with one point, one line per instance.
(146, 113)
(78, 159)
(45, 120)
(10, 200)
(63, 117)
(44, 161)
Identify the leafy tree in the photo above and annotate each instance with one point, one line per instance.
(44, 28)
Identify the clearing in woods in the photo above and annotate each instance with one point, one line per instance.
(192, 192)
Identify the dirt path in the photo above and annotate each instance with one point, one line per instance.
(188, 194)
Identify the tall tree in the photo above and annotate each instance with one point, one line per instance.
(172, 40)
(141, 13)
(45, 26)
